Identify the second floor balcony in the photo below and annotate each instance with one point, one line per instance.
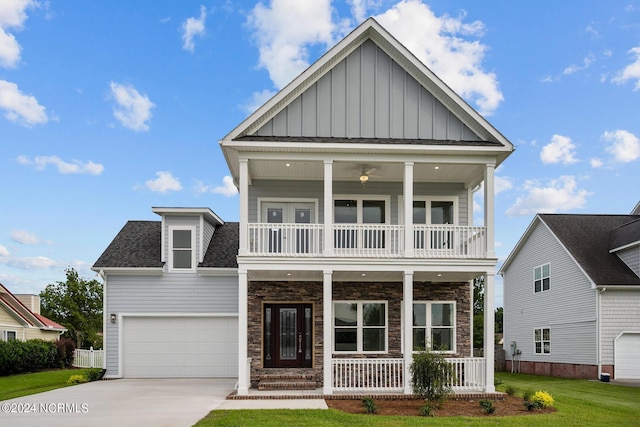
(366, 241)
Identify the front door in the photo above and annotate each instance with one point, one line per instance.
(288, 335)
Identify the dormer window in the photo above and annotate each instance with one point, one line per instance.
(182, 244)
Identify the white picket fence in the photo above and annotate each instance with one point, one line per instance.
(88, 358)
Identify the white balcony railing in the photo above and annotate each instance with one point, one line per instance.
(384, 375)
(366, 240)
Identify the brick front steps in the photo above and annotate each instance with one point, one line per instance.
(287, 382)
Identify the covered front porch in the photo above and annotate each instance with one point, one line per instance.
(368, 350)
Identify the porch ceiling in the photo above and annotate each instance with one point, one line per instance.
(360, 276)
(469, 174)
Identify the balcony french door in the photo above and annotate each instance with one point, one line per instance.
(368, 231)
(288, 336)
(285, 239)
(433, 213)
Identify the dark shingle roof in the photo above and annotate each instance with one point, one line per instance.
(223, 249)
(626, 234)
(588, 240)
(136, 245)
(329, 140)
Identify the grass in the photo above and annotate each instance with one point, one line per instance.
(579, 403)
(25, 384)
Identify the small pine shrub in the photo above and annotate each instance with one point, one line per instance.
(542, 399)
(369, 405)
(510, 390)
(93, 374)
(529, 405)
(76, 379)
(427, 411)
(527, 395)
(488, 406)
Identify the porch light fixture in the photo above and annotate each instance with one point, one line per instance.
(364, 178)
(437, 167)
(113, 318)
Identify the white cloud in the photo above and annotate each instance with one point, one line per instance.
(29, 263)
(559, 150)
(20, 108)
(586, 63)
(193, 27)
(623, 145)
(596, 163)
(631, 71)
(502, 183)
(4, 251)
(227, 188)
(441, 43)
(75, 167)
(257, 100)
(284, 30)
(560, 194)
(13, 13)
(27, 238)
(358, 9)
(133, 110)
(164, 182)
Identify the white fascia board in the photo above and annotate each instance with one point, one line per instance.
(518, 246)
(208, 214)
(618, 287)
(13, 313)
(134, 271)
(627, 246)
(213, 271)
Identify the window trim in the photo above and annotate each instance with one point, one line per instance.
(542, 341)
(192, 229)
(6, 332)
(454, 327)
(359, 327)
(542, 277)
(360, 198)
(429, 200)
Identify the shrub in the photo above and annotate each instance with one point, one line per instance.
(488, 406)
(529, 405)
(76, 379)
(510, 390)
(427, 411)
(430, 374)
(66, 351)
(93, 374)
(26, 356)
(527, 395)
(542, 399)
(369, 405)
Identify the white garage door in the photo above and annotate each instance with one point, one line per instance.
(627, 356)
(179, 347)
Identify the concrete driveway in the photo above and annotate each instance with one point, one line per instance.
(119, 403)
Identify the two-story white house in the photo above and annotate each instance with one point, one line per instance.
(356, 244)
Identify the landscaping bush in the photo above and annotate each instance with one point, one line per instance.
(510, 390)
(542, 399)
(93, 374)
(369, 405)
(76, 379)
(27, 356)
(66, 351)
(430, 375)
(488, 406)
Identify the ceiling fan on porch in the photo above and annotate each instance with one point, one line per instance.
(366, 172)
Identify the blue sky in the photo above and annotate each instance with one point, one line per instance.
(110, 108)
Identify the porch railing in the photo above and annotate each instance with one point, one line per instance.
(366, 240)
(88, 358)
(386, 375)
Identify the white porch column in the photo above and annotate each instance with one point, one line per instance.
(243, 368)
(327, 326)
(244, 206)
(407, 301)
(328, 208)
(489, 209)
(408, 209)
(489, 332)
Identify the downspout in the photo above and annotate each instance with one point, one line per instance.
(599, 328)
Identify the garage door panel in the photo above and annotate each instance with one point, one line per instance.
(627, 356)
(166, 347)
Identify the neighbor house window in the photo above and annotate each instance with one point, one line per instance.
(542, 340)
(434, 326)
(541, 278)
(182, 248)
(9, 335)
(360, 327)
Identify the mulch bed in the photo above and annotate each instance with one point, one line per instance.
(469, 408)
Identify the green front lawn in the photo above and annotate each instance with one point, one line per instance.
(26, 384)
(579, 403)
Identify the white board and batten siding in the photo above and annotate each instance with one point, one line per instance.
(170, 303)
(568, 308)
(367, 95)
(620, 311)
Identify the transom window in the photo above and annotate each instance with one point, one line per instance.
(541, 276)
(434, 326)
(542, 340)
(182, 248)
(360, 327)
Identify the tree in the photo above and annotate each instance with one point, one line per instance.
(77, 305)
(478, 314)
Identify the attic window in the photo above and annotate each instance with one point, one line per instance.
(182, 248)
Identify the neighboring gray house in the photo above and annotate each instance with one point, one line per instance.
(572, 297)
(356, 244)
(171, 297)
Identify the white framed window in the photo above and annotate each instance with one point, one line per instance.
(542, 340)
(541, 278)
(368, 213)
(434, 326)
(9, 335)
(182, 248)
(360, 327)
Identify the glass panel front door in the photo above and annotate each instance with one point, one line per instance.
(287, 335)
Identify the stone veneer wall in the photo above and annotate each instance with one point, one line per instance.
(311, 292)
